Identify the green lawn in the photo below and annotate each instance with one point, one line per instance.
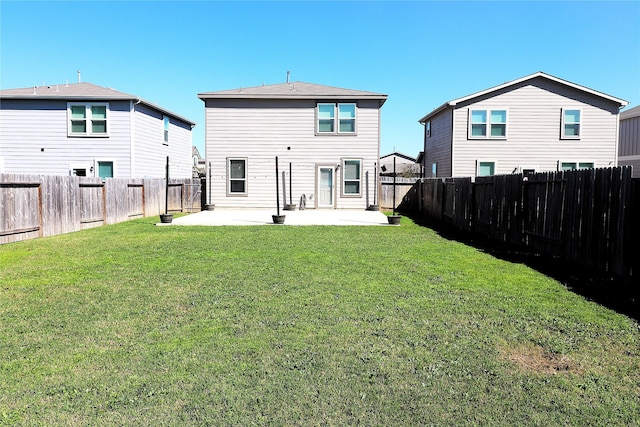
(133, 324)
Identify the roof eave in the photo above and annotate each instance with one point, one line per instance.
(622, 102)
(434, 112)
(204, 96)
(93, 98)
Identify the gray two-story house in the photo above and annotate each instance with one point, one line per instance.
(327, 141)
(88, 130)
(536, 123)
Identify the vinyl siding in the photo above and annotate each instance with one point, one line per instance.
(533, 129)
(633, 161)
(437, 147)
(33, 139)
(259, 130)
(629, 137)
(150, 153)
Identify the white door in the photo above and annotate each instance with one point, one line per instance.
(325, 186)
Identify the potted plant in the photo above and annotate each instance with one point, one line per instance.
(277, 219)
(166, 217)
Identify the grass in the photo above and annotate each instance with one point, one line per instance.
(133, 324)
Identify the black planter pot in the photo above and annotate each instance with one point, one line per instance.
(394, 219)
(166, 218)
(278, 219)
(209, 207)
(290, 207)
(373, 207)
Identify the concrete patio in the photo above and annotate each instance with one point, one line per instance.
(264, 217)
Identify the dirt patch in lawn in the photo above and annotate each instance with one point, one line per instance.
(533, 358)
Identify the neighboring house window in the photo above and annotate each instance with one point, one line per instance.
(487, 124)
(105, 169)
(567, 166)
(166, 129)
(486, 168)
(427, 128)
(434, 169)
(237, 176)
(87, 119)
(571, 122)
(346, 118)
(352, 177)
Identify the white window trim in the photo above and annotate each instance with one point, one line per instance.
(577, 162)
(562, 134)
(344, 180)
(88, 133)
(487, 135)
(166, 132)
(336, 119)
(495, 166)
(96, 172)
(246, 177)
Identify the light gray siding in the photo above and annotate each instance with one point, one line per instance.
(533, 129)
(260, 130)
(150, 150)
(437, 147)
(34, 140)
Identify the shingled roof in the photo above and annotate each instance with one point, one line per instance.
(293, 90)
(81, 92)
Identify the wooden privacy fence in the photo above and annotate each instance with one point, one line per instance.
(404, 186)
(590, 217)
(39, 205)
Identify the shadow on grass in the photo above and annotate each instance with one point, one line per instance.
(621, 295)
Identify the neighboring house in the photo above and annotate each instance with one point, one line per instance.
(88, 130)
(329, 137)
(199, 164)
(405, 165)
(629, 152)
(535, 123)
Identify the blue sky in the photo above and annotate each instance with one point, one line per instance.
(420, 53)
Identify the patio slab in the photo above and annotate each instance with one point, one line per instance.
(220, 217)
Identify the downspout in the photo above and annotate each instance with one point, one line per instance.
(617, 151)
(378, 185)
(424, 148)
(132, 133)
(451, 139)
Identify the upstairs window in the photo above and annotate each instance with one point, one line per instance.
(87, 119)
(487, 124)
(326, 118)
(427, 129)
(571, 123)
(166, 122)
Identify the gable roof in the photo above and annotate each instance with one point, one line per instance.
(454, 102)
(81, 92)
(294, 90)
(400, 155)
(630, 113)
